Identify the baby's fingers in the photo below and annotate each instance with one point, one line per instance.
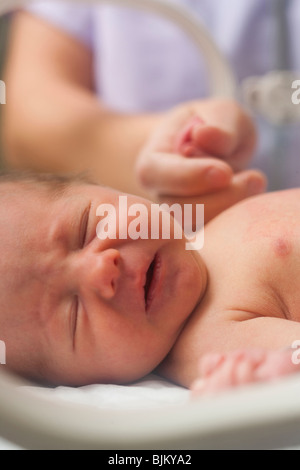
(224, 371)
(185, 143)
(225, 375)
(236, 149)
(198, 139)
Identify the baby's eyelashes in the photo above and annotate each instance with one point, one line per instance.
(84, 227)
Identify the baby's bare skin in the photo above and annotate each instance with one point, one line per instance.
(75, 307)
(218, 372)
(252, 301)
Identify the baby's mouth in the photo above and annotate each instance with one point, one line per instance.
(152, 277)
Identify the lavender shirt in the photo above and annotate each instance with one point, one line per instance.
(143, 63)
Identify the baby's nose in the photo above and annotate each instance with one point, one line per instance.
(101, 273)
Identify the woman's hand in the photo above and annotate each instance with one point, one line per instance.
(199, 153)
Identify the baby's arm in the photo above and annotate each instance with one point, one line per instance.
(255, 350)
(224, 371)
(231, 349)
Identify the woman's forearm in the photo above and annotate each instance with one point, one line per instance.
(53, 120)
(72, 132)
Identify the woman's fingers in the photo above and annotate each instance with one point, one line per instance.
(199, 139)
(242, 185)
(171, 174)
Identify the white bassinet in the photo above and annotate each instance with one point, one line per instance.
(151, 414)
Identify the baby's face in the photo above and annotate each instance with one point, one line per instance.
(77, 305)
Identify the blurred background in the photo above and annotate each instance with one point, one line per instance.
(4, 28)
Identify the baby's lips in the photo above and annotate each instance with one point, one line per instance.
(184, 140)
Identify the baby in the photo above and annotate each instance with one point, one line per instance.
(76, 309)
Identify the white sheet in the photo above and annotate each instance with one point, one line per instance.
(258, 416)
(151, 392)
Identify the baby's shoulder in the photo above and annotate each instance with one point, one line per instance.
(274, 214)
(258, 253)
(272, 201)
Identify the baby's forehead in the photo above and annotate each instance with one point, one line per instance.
(25, 215)
(33, 198)
(23, 196)
(49, 187)
(20, 205)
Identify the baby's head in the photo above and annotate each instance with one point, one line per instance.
(75, 309)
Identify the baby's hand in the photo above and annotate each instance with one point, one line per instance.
(186, 142)
(198, 139)
(219, 372)
(199, 152)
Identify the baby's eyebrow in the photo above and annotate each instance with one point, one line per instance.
(66, 227)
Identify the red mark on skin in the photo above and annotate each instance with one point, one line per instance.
(282, 247)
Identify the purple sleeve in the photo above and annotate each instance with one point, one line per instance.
(75, 19)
